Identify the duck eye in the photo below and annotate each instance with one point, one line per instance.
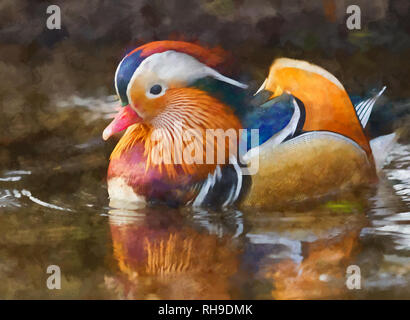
(155, 89)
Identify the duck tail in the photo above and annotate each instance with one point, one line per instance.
(381, 147)
(365, 107)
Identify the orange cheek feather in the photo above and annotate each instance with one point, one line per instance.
(146, 108)
(193, 109)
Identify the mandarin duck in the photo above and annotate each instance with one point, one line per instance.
(309, 139)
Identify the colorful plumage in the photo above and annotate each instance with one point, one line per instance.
(311, 141)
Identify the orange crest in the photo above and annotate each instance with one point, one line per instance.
(211, 57)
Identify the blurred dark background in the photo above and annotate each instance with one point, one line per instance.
(42, 70)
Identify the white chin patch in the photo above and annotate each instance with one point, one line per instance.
(122, 196)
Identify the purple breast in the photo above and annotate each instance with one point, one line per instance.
(151, 183)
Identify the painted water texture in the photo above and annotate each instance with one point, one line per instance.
(57, 96)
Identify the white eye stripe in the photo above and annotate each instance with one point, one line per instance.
(172, 66)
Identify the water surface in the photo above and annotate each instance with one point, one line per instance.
(54, 211)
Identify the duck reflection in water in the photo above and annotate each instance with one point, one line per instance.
(161, 256)
(305, 255)
(164, 253)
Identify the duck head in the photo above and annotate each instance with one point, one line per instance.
(161, 74)
(173, 89)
